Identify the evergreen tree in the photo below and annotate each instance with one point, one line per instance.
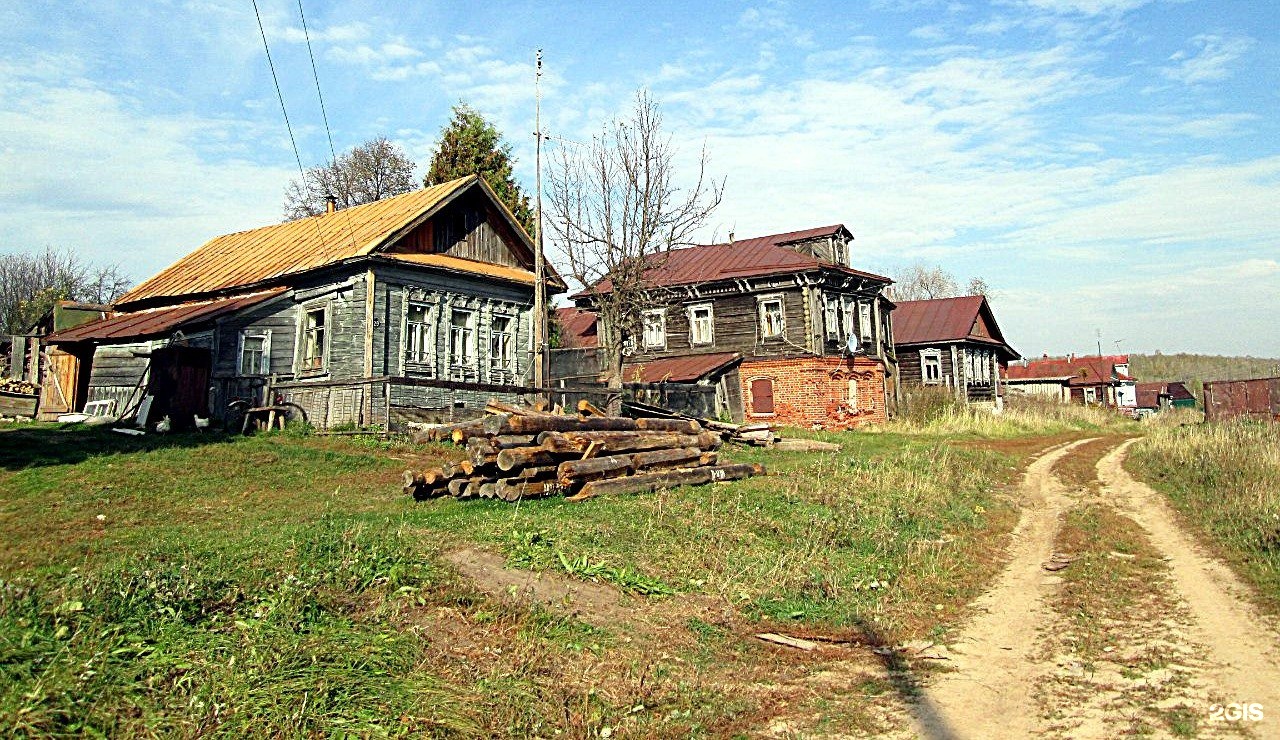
(471, 145)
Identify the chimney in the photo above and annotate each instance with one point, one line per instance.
(1073, 356)
(330, 203)
(731, 237)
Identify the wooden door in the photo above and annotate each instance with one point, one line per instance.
(60, 385)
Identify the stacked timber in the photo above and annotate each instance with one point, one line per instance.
(515, 453)
(758, 434)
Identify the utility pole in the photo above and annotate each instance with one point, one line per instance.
(1099, 333)
(539, 268)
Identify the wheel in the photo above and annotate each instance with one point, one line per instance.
(292, 412)
(234, 421)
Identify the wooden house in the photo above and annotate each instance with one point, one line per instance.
(1091, 380)
(781, 324)
(411, 307)
(1165, 395)
(953, 343)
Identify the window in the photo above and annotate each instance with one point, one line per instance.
(848, 310)
(864, 323)
(461, 338)
(502, 356)
(831, 316)
(931, 366)
(772, 323)
(853, 394)
(255, 351)
(654, 326)
(1090, 395)
(762, 396)
(700, 324)
(313, 339)
(420, 336)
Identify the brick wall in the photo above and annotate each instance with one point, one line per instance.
(814, 391)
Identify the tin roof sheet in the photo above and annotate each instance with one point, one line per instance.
(249, 257)
(1085, 370)
(683, 369)
(159, 321)
(461, 264)
(578, 327)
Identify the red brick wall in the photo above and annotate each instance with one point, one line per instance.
(814, 391)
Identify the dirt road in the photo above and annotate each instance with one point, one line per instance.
(1156, 640)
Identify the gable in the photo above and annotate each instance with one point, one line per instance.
(469, 227)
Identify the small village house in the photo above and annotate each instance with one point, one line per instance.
(952, 343)
(783, 327)
(1087, 379)
(1166, 395)
(411, 307)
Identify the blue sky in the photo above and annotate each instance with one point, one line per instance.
(1107, 165)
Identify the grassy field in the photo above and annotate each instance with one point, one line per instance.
(281, 584)
(1224, 479)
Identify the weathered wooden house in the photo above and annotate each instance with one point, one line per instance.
(406, 308)
(1158, 396)
(783, 327)
(1091, 380)
(953, 343)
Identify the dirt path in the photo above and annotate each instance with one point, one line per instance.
(1242, 649)
(994, 667)
(1153, 657)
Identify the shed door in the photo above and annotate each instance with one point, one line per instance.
(762, 396)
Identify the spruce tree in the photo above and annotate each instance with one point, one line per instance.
(471, 145)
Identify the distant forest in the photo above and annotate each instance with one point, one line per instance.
(1195, 369)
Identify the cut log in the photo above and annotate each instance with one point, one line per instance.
(460, 433)
(680, 426)
(545, 472)
(576, 471)
(536, 424)
(508, 491)
(520, 457)
(649, 482)
(496, 424)
(456, 486)
(505, 441)
(615, 442)
(480, 457)
(805, 445)
(666, 458)
(589, 409)
(489, 490)
(411, 483)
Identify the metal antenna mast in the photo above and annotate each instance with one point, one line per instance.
(539, 285)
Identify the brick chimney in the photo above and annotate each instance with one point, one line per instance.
(330, 203)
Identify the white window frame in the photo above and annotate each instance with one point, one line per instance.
(853, 394)
(831, 315)
(865, 328)
(264, 362)
(930, 357)
(469, 365)
(425, 359)
(848, 310)
(303, 333)
(694, 339)
(502, 361)
(657, 338)
(762, 304)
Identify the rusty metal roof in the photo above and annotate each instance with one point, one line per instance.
(949, 320)
(158, 322)
(1084, 370)
(461, 264)
(1149, 393)
(578, 327)
(742, 258)
(249, 257)
(683, 369)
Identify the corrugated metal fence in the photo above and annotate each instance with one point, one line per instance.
(1227, 399)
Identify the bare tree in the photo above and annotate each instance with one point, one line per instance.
(919, 281)
(374, 170)
(31, 283)
(614, 212)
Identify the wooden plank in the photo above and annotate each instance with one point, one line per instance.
(649, 482)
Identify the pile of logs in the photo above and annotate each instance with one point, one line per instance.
(517, 453)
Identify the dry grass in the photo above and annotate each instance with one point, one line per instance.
(935, 411)
(1224, 479)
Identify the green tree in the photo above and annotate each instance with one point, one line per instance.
(470, 145)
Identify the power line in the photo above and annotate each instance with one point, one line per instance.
(280, 96)
(333, 155)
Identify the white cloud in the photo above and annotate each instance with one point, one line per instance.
(1087, 7)
(343, 32)
(1212, 60)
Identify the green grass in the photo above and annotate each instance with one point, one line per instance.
(282, 585)
(1224, 479)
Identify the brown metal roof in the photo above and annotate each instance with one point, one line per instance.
(681, 369)
(754, 257)
(1149, 393)
(948, 320)
(578, 327)
(250, 257)
(1084, 370)
(158, 322)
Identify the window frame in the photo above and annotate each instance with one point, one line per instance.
(469, 339)
(661, 333)
(930, 357)
(425, 361)
(264, 362)
(304, 333)
(693, 308)
(507, 366)
(831, 316)
(762, 302)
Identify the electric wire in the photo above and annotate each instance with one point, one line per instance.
(288, 126)
(324, 115)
